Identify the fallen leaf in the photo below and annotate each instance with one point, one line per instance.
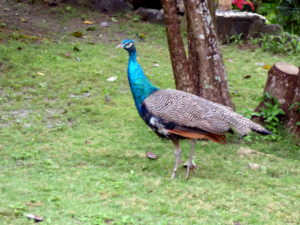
(246, 76)
(267, 67)
(141, 35)
(229, 60)
(151, 155)
(77, 34)
(114, 19)
(23, 19)
(40, 74)
(89, 22)
(113, 78)
(67, 55)
(91, 28)
(34, 217)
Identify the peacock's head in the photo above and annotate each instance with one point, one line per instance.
(127, 45)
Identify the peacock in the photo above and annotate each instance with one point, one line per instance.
(177, 115)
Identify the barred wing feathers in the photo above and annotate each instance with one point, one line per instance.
(190, 111)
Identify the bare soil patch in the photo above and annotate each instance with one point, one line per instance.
(40, 21)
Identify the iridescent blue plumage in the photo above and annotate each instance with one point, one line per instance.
(140, 86)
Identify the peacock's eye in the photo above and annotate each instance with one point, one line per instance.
(128, 45)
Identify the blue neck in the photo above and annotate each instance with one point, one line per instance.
(140, 86)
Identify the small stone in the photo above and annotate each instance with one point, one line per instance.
(104, 24)
(254, 166)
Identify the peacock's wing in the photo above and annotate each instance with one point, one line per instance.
(190, 111)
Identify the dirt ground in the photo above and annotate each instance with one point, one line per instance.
(41, 21)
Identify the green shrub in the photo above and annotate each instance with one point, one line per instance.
(283, 12)
(271, 114)
(286, 43)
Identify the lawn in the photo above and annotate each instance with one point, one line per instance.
(72, 157)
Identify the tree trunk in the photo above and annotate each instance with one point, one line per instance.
(181, 66)
(213, 5)
(205, 54)
(281, 83)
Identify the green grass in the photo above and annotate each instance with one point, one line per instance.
(70, 157)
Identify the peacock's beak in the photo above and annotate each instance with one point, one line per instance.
(120, 46)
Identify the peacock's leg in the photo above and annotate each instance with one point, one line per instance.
(177, 153)
(190, 163)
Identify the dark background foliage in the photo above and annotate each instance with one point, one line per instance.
(283, 12)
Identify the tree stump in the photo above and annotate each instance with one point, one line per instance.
(293, 115)
(283, 84)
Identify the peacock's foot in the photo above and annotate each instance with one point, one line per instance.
(190, 166)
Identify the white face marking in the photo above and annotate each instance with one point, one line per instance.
(128, 45)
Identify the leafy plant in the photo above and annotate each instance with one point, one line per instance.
(271, 114)
(296, 104)
(236, 39)
(286, 43)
